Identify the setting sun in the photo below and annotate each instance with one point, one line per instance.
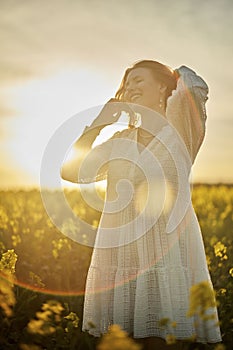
(42, 105)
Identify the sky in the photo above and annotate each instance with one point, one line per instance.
(59, 57)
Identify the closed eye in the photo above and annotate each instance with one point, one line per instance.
(136, 79)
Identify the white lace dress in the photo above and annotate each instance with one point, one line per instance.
(149, 249)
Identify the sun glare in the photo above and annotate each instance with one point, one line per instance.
(42, 105)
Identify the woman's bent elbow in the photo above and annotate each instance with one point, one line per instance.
(68, 175)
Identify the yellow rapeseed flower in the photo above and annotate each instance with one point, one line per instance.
(117, 339)
(44, 316)
(74, 318)
(2, 247)
(8, 261)
(222, 291)
(174, 324)
(36, 326)
(53, 306)
(7, 296)
(220, 347)
(3, 219)
(220, 250)
(170, 339)
(16, 239)
(47, 319)
(192, 338)
(164, 322)
(201, 299)
(36, 280)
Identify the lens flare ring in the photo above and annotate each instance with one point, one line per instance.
(149, 164)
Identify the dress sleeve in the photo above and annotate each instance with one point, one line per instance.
(94, 166)
(186, 109)
(90, 165)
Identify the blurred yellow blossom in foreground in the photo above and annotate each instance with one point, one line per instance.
(47, 320)
(220, 347)
(7, 296)
(117, 339)
(7, 269)
(170, 339)
(202, 298)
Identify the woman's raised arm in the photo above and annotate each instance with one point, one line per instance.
(186, 109)
(90, 164)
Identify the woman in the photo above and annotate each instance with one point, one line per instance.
(148, 251)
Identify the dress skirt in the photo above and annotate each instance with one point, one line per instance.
(140, 275)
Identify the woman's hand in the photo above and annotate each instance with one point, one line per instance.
(111, 112)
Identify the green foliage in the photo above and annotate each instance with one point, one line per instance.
(45, 299)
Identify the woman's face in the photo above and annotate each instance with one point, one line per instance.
(142, 88)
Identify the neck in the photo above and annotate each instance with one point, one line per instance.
(160, 110)
(151, 122)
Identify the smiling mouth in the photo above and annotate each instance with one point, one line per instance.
(134, 97)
